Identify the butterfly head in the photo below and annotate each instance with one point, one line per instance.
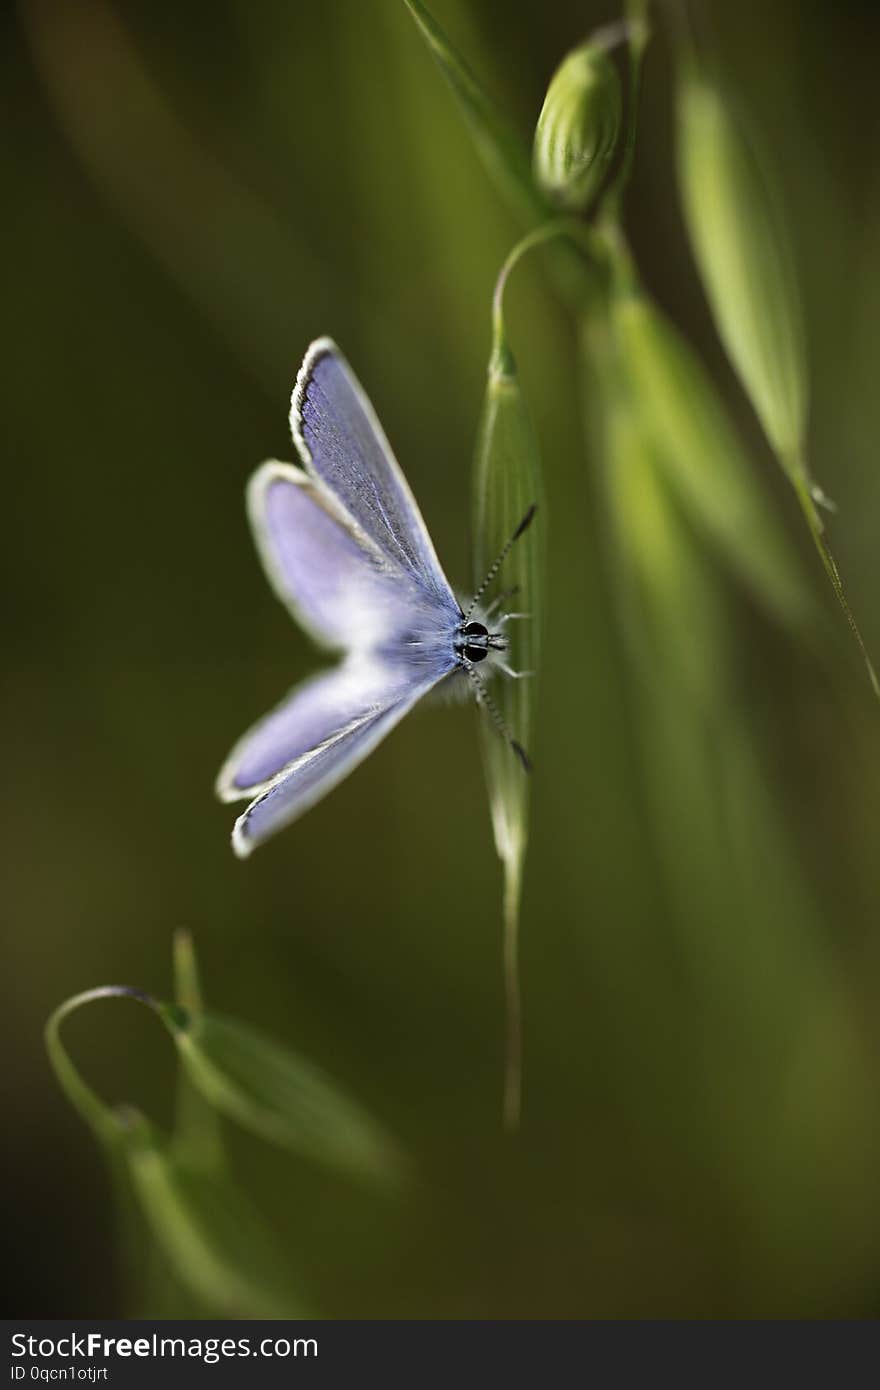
(474, 641)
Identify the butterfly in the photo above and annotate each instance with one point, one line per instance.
(345, 548)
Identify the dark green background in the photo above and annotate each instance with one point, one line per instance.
(192, 193)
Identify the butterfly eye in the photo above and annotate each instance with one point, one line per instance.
(476, 641)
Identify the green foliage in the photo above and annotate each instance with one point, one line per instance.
(198, 1217)
(697, 843)
(669, 602)
(219, 1246)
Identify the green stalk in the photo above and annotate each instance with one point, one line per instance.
(579, 233)
(507, 481)
(638, 36)
(187, 985)
(804, 493)
(198, 1139)
(512, 1102)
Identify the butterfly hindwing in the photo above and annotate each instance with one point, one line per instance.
(337, 584)
(310, 743)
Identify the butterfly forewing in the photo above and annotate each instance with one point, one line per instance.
(340, 439)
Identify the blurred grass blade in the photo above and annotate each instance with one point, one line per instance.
(740, 242)
(217, 1244)
(161, 177)
(502, 151)
(703, 460)
(506, 483)
(187, 984)
(669, 606)
(740, 903)
(278, 1095)
(505, 156)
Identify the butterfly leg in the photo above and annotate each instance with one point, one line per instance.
(509, 671)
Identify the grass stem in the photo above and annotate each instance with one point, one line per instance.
(512, 1106)
(820, 540)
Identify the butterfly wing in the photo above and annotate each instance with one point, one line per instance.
(340, 441)
(298, 753)
(336, 582)
(347, 551)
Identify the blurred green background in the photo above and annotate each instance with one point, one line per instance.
(192, 194)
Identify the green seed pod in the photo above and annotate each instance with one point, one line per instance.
(578, 128)
(740, 242)
(506, 485)
(506, 493)
(702, 458)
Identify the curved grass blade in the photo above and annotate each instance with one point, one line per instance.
(102, 1119)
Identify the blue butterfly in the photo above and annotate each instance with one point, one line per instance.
(346, 550)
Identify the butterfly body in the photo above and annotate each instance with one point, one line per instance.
(347, 551)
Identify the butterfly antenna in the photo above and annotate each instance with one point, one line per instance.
(494, 713)
(496, 564)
